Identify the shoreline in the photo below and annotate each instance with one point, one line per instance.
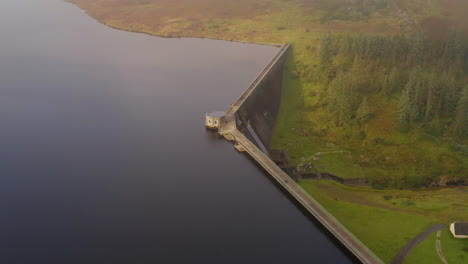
(278, 45)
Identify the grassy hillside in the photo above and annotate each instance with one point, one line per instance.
(389, 108)
(254, 20)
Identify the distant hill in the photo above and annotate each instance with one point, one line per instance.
(223, 19)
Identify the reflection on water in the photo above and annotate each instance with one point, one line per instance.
(105, 157)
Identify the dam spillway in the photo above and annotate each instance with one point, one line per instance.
(255, 113)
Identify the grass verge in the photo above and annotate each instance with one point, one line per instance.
(386, 220)
(425, 252)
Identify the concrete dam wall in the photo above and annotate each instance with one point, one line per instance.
(256, 115)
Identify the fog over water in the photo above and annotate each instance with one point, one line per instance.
(104, 157)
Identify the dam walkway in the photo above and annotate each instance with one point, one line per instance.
(310, 204)
(242, 143)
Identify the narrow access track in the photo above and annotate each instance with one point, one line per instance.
(439, 248)
(405, 250)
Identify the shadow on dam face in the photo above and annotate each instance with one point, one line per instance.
(260, 110)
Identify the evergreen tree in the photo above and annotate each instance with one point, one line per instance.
(460, 123)
(454, 46)
(407, 108)
(420, 92)
(390, 82)
(465, 58)
(326, 57)
(400, 49)
(450, 94)
(431, 100)
(417, 48)
(346, 45)
(343, 107)
(423, 96)
(386, 86)
(340, 95)
(404, 109)
(387, 48)
(416, 91)
(363, 111)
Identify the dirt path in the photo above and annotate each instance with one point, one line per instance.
(439, 248)
(404, 251)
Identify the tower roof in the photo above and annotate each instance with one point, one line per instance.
(216, 114)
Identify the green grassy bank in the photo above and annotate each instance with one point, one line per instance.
(385, 220)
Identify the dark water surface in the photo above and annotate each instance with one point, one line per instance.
(104, 157)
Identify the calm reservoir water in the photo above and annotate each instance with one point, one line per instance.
(104, 157)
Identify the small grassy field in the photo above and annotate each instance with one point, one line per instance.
(454, 250)
(385, 220)
(425, 252)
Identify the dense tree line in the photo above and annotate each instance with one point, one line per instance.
(350, 10)
(427, 78)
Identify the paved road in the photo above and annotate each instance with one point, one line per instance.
(404, 251)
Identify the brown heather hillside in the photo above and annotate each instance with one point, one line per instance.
(257, 20)
(243, 20)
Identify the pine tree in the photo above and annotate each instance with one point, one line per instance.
(390, 82)
(387, 48)
(417, 48)
(343, 112)
(431, 100)
(465, 58)
(404, 109)
(340, 98)
(450, 94)
(394, 80)
(346, 44)
(420, 93)
(386, 86)
(326, 57)
(400, 49)
(407, 107)
(363, 111)
(415, 90)
(460, 123)
(454, 46)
